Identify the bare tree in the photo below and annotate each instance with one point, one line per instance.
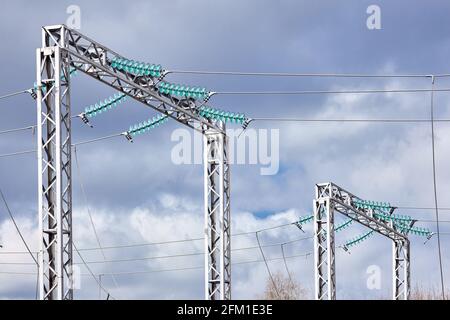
(421, 293)
(282, 288)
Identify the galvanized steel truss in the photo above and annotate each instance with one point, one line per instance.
(64, 48)
(331, 198)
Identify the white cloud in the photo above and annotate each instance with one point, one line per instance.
(173, 221)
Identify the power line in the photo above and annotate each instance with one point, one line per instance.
(172, 269)
(169, 256)
(97, 139)
(289, 119)
(16, 252)
(285, 264)
(177, 240)
(17, 129)
(267, 266)
(252, 119)
(89, 212)
(21, 237)
(266, 229)
(30, 127)
(190, 240)
(193, 254)
(307, 92)
(18, 153)
(201, 267)
(297, 74)
(422, 208)
(143, 244)
(349, 120)
(16, 226)
(37, 284)
(432, 221)
(184, 240)
(199, 253)
(125, 246)
(73, 145)
(18, 273)
(435, 187)
(15, 94)
(23, 152)
(91, 273)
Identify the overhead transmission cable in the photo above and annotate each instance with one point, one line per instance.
(286, 119)
(18, 129)
(97, 139)
(435, 188)
(267, 266)
(21, 237)
(201, 239)
(92, 273)
(32, 91)
(308, 92)
(340, 227)
(191, 254)
(201, 267)
(18, 153)
(16, 226)
(169, 270)
(299, 74)
(182, 91)
(180, 240)
(286, 266)
(91, 219)
(142, 127)
(423, 208)
(190, 239)
(5, 155)
(15, 94)
(348, 120)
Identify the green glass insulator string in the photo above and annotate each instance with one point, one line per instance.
(137, 68)
(183, 90)
(217, 114)
(106, 104)
(146, 126)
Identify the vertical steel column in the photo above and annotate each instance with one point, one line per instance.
(217, 215)
(401, 269)
(54, 172)
(324, 249)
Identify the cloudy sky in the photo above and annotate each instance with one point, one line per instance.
(137, 194)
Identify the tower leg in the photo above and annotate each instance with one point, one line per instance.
(54, 174)
(401, 270)
(217, 216)
(324, 250)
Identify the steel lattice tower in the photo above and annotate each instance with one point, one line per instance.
(217, 216)
(54, 171)
(64, 48)
(331, 198)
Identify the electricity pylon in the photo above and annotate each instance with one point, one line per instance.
(54, 171)
(217, 216)
(64, 48)
(331, 198)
